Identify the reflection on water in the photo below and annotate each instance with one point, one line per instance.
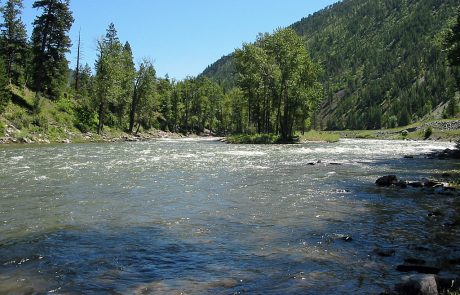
(199, 217)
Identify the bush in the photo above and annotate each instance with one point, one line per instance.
(254, 139)
(84, 118)
(428, 132)
(2, 128)
(20, 119)
(65, 105)
(41, 121)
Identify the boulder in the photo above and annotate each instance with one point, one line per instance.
(418, 285)
(401, 184)
(388, 180)
(416, 184)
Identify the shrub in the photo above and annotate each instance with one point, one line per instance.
(254, 139)
(20, 119)
(2, 128)
(41, 121)
(428, 132)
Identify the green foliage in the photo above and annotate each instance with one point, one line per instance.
(5, 94)
(13, 40)
(50, 43)
(2, 128)
(279, 82)
(452, 108)
(320, 136)
(453, 48)
(144, 101)
(41, 121)
(378, 56)
(428, 132)
(19, 118)
(85, 118)
(254, 139)
(109, 78)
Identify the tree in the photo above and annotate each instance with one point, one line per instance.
(453, 47)
(280, 82)
(128, 71)
(5, 94)
(143, 104)
(50, 43)
(108, 75)
(13, 40)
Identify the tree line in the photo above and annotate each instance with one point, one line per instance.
(384, 62)
(276, 92)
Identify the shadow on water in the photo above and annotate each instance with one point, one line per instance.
(153, 260)
(278, 230)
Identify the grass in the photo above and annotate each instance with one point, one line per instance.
(314, 135)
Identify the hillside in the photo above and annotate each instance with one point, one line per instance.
(383, 61)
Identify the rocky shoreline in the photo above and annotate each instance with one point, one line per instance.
(13, 136)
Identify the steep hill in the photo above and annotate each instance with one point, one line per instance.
(383, 61)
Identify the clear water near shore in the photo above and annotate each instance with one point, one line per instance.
(202, 217)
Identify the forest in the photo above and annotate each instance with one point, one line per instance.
(384, 63)
(327, 71)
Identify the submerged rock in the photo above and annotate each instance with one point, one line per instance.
(347, 238)
(418, 284)
(387, 180)
(384, 252)
(416, 184)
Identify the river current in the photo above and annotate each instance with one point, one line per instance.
(198, 216)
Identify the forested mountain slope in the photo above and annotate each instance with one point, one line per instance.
(383, 61)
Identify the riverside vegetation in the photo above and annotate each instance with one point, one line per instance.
(281, 86)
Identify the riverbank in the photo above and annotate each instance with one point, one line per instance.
(13, 135)
(439, 130)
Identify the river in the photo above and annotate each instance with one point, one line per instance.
(202, 217)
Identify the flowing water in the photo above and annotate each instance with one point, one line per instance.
(202, 217)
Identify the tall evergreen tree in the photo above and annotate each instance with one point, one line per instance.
(13, 40)
(109, 73)
(4, 92)
(50, 43)
(453, 48)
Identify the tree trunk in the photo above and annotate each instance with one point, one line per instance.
(132, 113)
(100, 124)
(285, 127)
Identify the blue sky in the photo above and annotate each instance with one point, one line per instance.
(182, 37)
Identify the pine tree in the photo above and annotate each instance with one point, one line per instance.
(4, 92)
(50, 43)
(13, 40)
(453, 47)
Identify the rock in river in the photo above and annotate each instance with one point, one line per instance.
(387, 180)
(418, 284)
